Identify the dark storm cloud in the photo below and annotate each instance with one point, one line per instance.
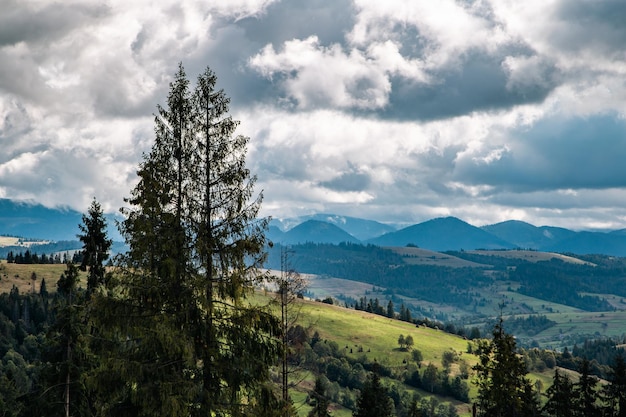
(244, 87)
(20, 23)
(298, 19)
(429, 79)
(351, 179)
(592, 24)
(556, 154)
(481, 82)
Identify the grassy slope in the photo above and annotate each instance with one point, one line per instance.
(21, 275)
(419, 256)
(530, 255)
(379, 338)
(570, 320)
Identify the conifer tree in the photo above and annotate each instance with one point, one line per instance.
(615, 392)
(503, 389)
(585, 395)
(187, 343)
(390, 310)
(374, 400)
(66, 354)
(560, 395)
(96, 246)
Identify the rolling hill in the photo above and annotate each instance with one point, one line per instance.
(525, 235)
(361, 229)
(29, 220)
(446, 233)
(318, 232)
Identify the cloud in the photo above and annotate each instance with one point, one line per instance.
(300, 19)
(553, 154)
(396, 110)
(402, 61)
(40, 24)
(352, 179)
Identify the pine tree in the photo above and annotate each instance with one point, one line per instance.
(374, 400)
(187, 343)
(390, 310)
(560, 395)
(585, 395)
(96, 246)
(503, 389)
(615, 392)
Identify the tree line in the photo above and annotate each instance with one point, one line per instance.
(27, 257)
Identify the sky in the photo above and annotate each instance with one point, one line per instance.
(396, 111)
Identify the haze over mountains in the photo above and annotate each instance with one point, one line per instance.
(440, 234)
(36, 221)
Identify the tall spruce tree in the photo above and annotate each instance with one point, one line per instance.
(560, 396)
(503, 389)
(585, 395)
(187, 343)
(615, 392)
(96, 245)
(374, 400)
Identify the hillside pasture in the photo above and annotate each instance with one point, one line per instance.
(418, 256)
(21, 275)
(530, 255)
(377, 335)
(18, 241)
(592, 324)
(376, 338)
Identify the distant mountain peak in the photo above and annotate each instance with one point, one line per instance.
(441, 234)
(317, 231)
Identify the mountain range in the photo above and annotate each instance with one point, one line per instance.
(451, 233)
(30, 220)
(440, 234)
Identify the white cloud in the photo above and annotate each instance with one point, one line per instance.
(318, 76)
(404, 110)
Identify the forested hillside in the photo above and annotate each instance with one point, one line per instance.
(469, 288)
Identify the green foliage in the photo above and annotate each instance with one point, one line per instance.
(530, 325)
(319, 400)
(615, 392)
(585, 393)
(96, 246)
(374, 400)
(560, 396)
(561, 282)
(181, 339)
(503, 389)
(66, 355)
